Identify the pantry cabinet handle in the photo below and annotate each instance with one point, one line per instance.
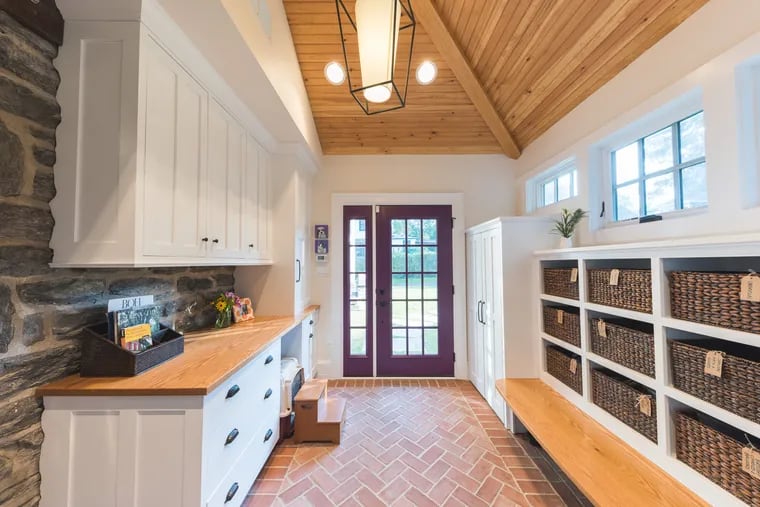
(268, 394)
(268, 435)
(233, 391)
(298, 262)
(231, 492)
(231, 437)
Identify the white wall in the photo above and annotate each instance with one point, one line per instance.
(485, 181)
(699, 57)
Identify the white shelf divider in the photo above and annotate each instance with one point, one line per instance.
(562, 343)
(747, 426)
(561, 300)
(720, 333)
(623, 370)
(620, 312)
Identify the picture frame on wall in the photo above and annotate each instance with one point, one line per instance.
(243, 311)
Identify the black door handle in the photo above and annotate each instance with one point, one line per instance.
(382, 303)
(268, 394)
(269, 359)
(231, 493)
(233, 391)
(231, 437)
(268, 435)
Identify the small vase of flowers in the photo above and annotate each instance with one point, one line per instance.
(223, 305)
(566, 224)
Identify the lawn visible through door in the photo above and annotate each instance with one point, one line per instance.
(413, 292)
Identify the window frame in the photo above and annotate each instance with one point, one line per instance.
(676, 169)
(553, 174)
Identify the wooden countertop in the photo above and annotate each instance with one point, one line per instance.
(210, 357)
(606, 469)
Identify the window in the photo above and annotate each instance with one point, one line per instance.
(662, 172)
(557, 184)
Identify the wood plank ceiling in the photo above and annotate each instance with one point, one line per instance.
(535, 59)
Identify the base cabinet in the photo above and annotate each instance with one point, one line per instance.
(499, 260)
(183, 451)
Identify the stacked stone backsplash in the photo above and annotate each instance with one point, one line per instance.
(43, 310)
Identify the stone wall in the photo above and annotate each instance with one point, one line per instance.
(43, 310)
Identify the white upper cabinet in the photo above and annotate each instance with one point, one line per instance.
(153, 170)
(175, 159)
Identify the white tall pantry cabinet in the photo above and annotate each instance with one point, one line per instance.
(499, 311)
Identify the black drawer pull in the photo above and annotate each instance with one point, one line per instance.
(269, 360)
(231, 437)
(268, 393)
(268, 435)
(231, 492)
(232, 392)
(311, 322)
(215, 241)
(311, 335)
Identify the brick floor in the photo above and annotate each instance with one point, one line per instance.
(414, 443)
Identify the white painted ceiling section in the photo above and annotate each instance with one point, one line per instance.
(261, 70)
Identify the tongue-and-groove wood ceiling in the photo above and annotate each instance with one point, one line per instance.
(519, 64)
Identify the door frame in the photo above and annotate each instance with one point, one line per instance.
(456, 201)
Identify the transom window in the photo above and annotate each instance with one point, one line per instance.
(560, 183)
(661, 172)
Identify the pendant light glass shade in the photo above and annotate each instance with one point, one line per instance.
(377, 23)
(377, 38)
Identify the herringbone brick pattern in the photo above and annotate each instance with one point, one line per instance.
(408, 443)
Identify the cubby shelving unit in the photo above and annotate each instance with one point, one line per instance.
(728, 253)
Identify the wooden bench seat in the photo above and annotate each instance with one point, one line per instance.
(606, 469)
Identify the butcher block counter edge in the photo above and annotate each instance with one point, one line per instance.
(210, 357)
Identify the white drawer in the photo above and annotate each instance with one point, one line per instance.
(233, 488)
(237, 389)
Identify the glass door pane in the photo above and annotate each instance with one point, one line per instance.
(358, 296)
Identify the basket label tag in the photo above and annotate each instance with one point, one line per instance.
(573, 366)
(751, 461)
(751, 288)
(574, 275)
(601, 328)
(645, 405)
(560, 317)
(614, 277)
(714, 363)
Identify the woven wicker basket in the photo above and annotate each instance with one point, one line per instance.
(558, 366)
(716, 455)
(633, 348)
(620, 397)
(569, 330)
(713, 299)
(633, 291)
(737, 389)
(557, 283)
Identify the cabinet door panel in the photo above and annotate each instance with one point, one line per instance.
(225, 184)
(251, 199)
(175, 130)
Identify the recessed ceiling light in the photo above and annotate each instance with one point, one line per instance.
(335, 74)
(426, 72)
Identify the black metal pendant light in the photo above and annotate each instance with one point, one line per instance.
(377, 50)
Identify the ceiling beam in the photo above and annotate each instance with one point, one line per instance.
(426, 13)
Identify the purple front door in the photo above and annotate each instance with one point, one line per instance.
(414, 291)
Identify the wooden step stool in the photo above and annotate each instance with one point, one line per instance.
(318, 418)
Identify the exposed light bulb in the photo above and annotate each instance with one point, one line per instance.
(426, 72)
(334, 73)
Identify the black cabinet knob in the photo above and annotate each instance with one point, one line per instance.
(311, 335)
(311, 322)
(269, 359)
(268, 394)
(232, 391)
(268, 435)
(205, 240)
(215, 241)
(231, 437)
(231, 493)
(250, 246)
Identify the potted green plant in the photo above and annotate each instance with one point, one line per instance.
(566, 224)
